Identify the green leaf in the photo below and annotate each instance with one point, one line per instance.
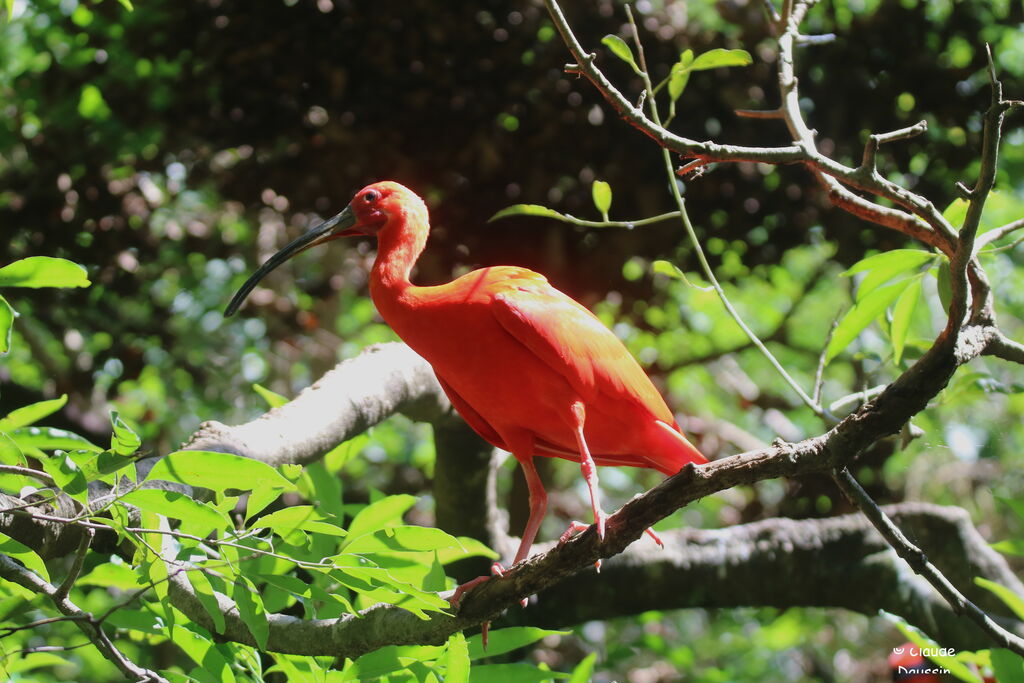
(30, 414)
(43, 271)
(943, 284)
(620, 49)
(526, 210)
(1011, 547)
(584, 670)
(602, 194)
(468, 547)
(299, 517)
(1015, 504)
(124, 440)
(51, 438)
(91, 104)
(391, 658)
(250, 609)
(901, 315)
(1007, 666)
(719, 57)
(205, 594)
(10, 453)
(217, 471)
(861, 315)
(98, 466)
(196, 518)
(273, 399)
(680, 75)
(457, 661)
(127, 4)
(7, 316)
(881, 268)
(111, 575)
(956, 212)
(669, 269)
(67, 475)
(376, 515)
(508, 639)
(402, 538)
(24, 554)
(519, 672)
(1010, 599)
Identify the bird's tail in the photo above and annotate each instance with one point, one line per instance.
(672, 449)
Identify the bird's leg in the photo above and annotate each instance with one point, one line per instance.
(538, 506)
(588, 467)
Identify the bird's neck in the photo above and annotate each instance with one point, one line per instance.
(399, 244)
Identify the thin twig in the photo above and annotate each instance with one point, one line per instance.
(76, 566)
(28, 472)
(919, 562)
(997, 234)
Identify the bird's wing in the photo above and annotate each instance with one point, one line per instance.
(472, 417)
(572, 341)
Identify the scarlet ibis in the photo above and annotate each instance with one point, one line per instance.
(531, 370)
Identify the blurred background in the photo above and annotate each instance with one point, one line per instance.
(173, 147)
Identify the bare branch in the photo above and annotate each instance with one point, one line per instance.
(920, 563)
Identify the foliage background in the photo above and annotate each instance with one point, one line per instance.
(172, 147)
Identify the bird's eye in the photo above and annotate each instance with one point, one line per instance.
(370, 196)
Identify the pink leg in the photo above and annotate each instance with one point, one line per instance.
(538, 506)
(588, 467)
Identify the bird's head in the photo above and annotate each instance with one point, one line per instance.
(369, 213)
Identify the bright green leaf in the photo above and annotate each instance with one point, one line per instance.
(457, 661)
(51, 438)
(91, 104)
(956, 212)
(1010, 547)
(123, 440)
(669, 269)
(207, 598)
(386, 511)
(198, 519)
(680, 75)
(526, 210)
(299, 517)
(719, 57)
(43, 271)
(10, 453)
(944, 285)
(98, 466)
(111, 575)
(30, 414)
(7, 316)
(217, 471)
(402, 538)
(520, 672)
(881, 268)
(901, 315)
(67, 475)
(508, 639)
(250, 609)
(390, 659)
(620, 49)
(127, 4)
(24, 554)
(861, 315)
(273, 399)
(602, 194)
(1010, 599)
(584, 670)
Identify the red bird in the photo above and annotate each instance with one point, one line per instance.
(532, 371)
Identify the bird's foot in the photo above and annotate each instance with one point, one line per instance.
(496, 571)
(657, 539)
(576, 527)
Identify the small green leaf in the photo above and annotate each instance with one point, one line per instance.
(403, 538)
(1010, 599)
(32, 413)
(386, 511)
(620, 49)
(198, 519)
(526, 210)
(881, 268)
(457, 661)
(24, 554)
(584, 670)
(273, 399)
(111, 575)
(507, 639)
(956, 212)
(7, 316)
(127, 4)
(67, 475)
(602, 194)
(10, 453)
(680, 75)
(669, 269)
(124, 440)
(98, 466)
(51, 438)
(944, 285)
(1011, 547)
(204, 592)
(299, 517)
(91, 104)
(719, 57)
(519, 672)
(217, 471)
(861, 315)
(250, 609)
(43, 271)
(901, 315)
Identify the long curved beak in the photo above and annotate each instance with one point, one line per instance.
(338, 226)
